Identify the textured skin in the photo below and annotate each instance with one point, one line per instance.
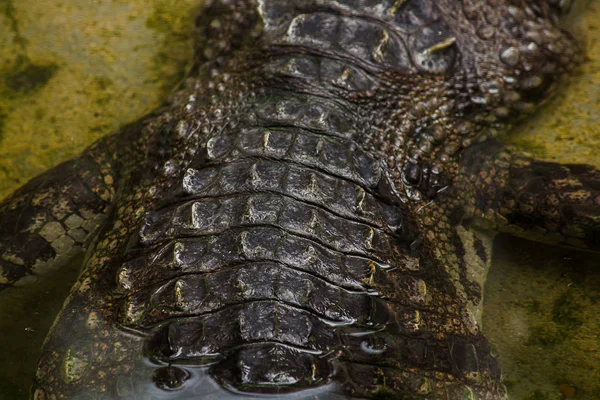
(309, 217)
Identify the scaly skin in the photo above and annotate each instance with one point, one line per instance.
(313, 216)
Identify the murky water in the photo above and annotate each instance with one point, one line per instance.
(541, 314)
(542, 303)
(73, 71)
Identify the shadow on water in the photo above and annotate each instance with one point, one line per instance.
(542, 316)
(26, 314)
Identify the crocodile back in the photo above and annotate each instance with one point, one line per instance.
(276, 231)
(284, 259)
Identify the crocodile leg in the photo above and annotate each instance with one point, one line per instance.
(54, 217)
(543, 201)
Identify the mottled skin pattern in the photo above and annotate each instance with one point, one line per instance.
(314, 215)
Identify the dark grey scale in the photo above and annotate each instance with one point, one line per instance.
(314, 29)
(317, 151)
(432, 49)
(412, 174)
(381, 9)
(383, 349)
(464, 357)
(281, 111)
(295, 66)
(198, 180)
(391, 52)
(150, 230)
(327, 356)
(337, 158)
(219, 147)
(193, 295)
(213, 253)
(412, 15)
(327, 118)
(339, 196)
(280, 241)
(272, 143)
(313, 150)
(366, 40)
(329, 155)
(210, 216)
(321, 152)
(304, 67)
(272, 367)
(306, 255)
(201, 339)
(301, 112)
(358, 37)
(278, 15)
(251, 175)
(346, 76)
(453, 356)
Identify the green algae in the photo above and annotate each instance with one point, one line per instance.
(545, 335)
(2, 123)
(566, 315)
(175, 28)
(387, 394)
(29, 311)
(29, 78)
(542, 317)
(537, 395)
(72, 72)
(566, 311)
(7, 9)
(21, 76)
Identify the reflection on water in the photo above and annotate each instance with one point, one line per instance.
(200, 386)
(72, 71)
(143, 384)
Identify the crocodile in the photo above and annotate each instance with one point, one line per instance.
(312, 214)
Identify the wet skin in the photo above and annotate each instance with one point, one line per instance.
(313, 214)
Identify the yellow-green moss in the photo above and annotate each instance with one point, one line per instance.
(71, 72)
(568, 129)
(29, 77)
